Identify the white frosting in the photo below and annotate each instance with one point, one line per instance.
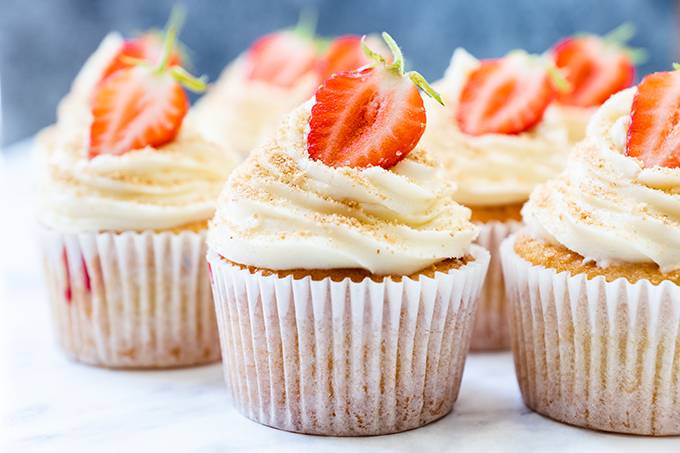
(606, 206)
(240, 114)
(283, 210)
(149, 188)
(575, 119)
(491, 169)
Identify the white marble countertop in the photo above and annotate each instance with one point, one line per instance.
(48, 404)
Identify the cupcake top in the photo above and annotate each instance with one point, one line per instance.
(342, 184)
(276, 74)
(120, 156)
(618, 200)
(494, 168)
(239, 112)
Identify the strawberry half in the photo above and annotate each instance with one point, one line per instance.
(141, 105)
(654, 132)
(505, 96)
(368, 117)
(344, 54)
(280, 59)
(134, 108)
(147, 47)
(594, 68)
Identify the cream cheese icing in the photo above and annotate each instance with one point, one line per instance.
(282, 210)
(491, 169)
(240, 114)
(607, 206)
(174, 185)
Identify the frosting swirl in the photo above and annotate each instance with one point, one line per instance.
(606, 206)
(169, 187)
(491, 169)
(241, 113)
(282, 210)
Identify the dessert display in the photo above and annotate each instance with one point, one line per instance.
(276, 74)
(344, 277)
(498, 136)
(595, 68)
(127, 189)
(594, 280)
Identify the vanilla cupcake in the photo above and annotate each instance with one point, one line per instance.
(123, 208)
(344, 277)
(494, 172)
(595, 67)
(276, 74)
(594, 282)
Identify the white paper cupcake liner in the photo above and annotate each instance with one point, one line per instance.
(491, 331)
(132, 299)
(592, 353)
(345, 358)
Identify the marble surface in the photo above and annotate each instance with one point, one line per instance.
(48, 404)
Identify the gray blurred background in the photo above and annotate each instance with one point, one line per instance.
(43, 43)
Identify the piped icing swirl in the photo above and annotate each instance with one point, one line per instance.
(491, 169)
(165, 188)
(282, 210)
(240, 113)
(606, 206)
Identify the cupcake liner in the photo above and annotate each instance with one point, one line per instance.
(345, 358)
(491, 331)
(597, 354)
(132, 299)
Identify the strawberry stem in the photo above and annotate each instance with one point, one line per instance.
(189, 81)
(181, 75)
(397, 65)
(558, 79)
(306, 26)
(171, 30)
(621, 34)
(421, 83)
(397, 55)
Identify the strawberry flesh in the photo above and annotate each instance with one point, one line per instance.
(344, 54)
(364, 118)
(280, 59)
(654, 132)
(504, 96)
(134, 108)
(147, 47)
(594, 70)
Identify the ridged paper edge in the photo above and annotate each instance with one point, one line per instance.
(597, 354)
(345, 358)
(131, 299)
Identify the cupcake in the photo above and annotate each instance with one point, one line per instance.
(343, 273)
(594, 280)
(496, 144)
(595, 67)
(276, 74)
(127, 189)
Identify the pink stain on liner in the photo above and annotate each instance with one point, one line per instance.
(68, 291)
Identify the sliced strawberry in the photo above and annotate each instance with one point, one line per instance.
(142, 105)
(147, 47)
(373, 116)
(134, 108)
(344, 54)
(504, 96)
(594, 68)
(654, 132)
(280, 58)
